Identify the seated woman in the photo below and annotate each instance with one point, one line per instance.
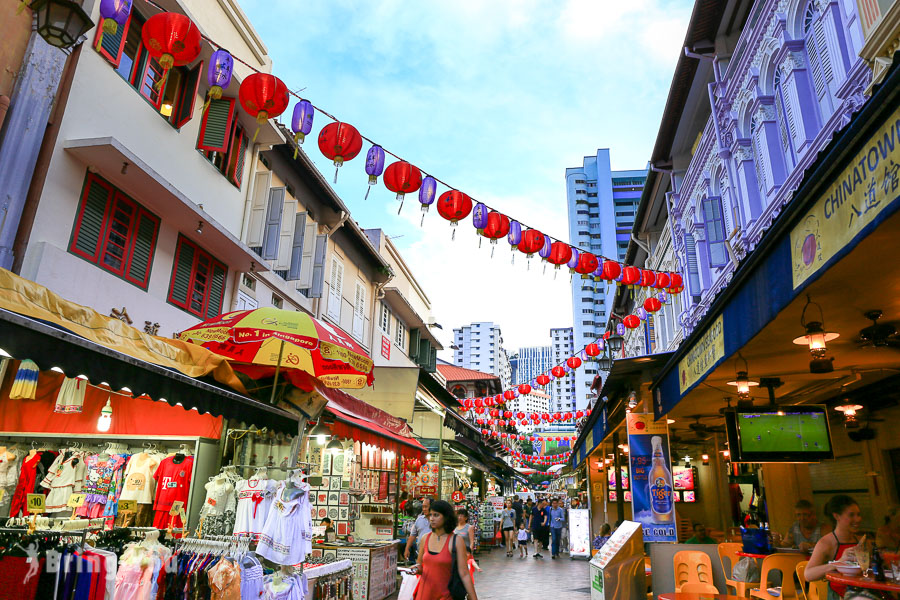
(888, 535)
(840, 544)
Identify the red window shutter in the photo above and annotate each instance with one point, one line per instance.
(111, 46)
(216, 127)
(89, 222)
(184, 108)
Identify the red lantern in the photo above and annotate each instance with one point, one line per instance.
(532, 241)
(509, 395)
(497, 226)
(558, 439)
(662, 281)
(592, 350)
(468, 403)
(587, 264)
(402, 178)
(503, 435)
(567, 416)
(489, 401)
(557, 416)
(611, 270)
(574, 362)
(172, 39)
(479, 402)
(263, 96)
(454, 205)
(520, 415)
(498, 399)
(485, 431)
(524, 422)
(648, 278)
(524, 389)
(507, 414)
(491, 422)
(494, 412)
(652, 304)
(631, 275)
(531, 438)
(479, 410)
(558, 371)
(535, 416)
(587, 412)
(479, 421)
(579, 414)
(545, 416)
(676, 285)
(501, 423)
(339, 142)
(542, 380)
(560, 253)
(631, 321)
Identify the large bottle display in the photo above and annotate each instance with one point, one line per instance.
(652, 488)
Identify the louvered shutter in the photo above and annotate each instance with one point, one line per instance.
(273, 223)
(414, 337)
(690, 250)
(258, 205)
(184, 109)
(312, 258)
(182, 274)
(318, 270)
(297, 247)
(783, 132)
(216, 290)
(241, 148)
(142, 250)
(286, 234)
(89, 223)
(215, 129)
(824, 54)
(359, 312)
(759, 160)
(335, 287)
(112, 45)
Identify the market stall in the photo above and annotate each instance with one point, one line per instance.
(374, 566)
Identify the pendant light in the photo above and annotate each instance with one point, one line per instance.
(334, 446)
(742, 382)
(320, 432)
(105, 420)
(815, 339)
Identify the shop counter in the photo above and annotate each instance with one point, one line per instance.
(374, 566)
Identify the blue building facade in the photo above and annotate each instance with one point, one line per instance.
(601, 208)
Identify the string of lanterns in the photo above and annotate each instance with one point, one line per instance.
(174, 40)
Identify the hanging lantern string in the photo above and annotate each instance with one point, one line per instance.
(396, 156)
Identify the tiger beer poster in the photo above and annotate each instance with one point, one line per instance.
(652, 488)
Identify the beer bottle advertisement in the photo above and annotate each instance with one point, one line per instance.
(652, 487)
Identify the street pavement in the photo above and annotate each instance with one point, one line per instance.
(529, 578)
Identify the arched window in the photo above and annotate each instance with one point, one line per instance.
(714, 225)
(786, 127)
(819, 59)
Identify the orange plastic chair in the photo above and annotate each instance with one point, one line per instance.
(695, 587)
(729, 551)
(787, 564)
(691, 566)
(818, 590)
(801, 569)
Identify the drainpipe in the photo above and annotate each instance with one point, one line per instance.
(641, 245)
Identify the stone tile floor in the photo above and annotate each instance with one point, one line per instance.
(528, 578)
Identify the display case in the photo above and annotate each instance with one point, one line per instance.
(374, 566)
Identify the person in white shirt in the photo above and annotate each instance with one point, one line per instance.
(523, 540)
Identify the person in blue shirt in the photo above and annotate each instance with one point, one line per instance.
(539, 527)
(557, 521)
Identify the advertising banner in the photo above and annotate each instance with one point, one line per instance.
(652, 488)
(579, 532)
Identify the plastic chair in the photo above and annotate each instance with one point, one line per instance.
(729, 550)
(801, 569)
(691, 566)
(787, 564)
(694, 587)
(818, 590)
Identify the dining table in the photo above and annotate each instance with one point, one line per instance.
(859, 581)
(697, 596)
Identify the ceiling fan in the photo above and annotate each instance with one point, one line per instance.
(878, 335)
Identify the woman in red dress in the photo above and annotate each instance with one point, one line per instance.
(436, 562)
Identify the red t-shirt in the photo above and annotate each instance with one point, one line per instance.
(173, 482)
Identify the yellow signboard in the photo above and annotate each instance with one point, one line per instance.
(644, 424)
(702, 356)
(866, 187)
(76, 500)
(36, 503)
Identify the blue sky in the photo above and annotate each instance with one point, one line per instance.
(495, 97)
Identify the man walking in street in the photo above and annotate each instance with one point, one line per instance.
(418, 530)
(557, 521)
(539, 524)
(517, 506)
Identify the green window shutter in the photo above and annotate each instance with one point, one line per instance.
(414, 336)
(238, 174)
(216, 291)
(181, 278)
(111, 45)
(142, 250)
(424, 354)
(188, 96)
(215, 129)
(90, 220)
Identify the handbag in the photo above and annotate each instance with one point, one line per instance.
(455, 587)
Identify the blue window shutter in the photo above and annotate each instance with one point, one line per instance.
(273, 223)
(715, 232)
(297, 247)
(318, 273)
(693, 270)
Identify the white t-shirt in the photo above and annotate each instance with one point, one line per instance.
(139, 483)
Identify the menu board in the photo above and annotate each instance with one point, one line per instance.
(615, 542)
(612, 480)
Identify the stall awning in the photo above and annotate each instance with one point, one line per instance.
(357, 420)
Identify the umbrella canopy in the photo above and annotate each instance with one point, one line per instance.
(258, 340)
(555, 468)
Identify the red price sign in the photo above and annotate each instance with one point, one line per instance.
(457, 496)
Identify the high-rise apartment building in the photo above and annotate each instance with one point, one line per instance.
(530, 362)
(479, 346)
(535, 401)
(562, 390)
(601, 205)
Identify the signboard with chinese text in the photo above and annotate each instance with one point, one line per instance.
(703, 355)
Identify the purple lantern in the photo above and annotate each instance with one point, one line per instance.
(480, 220)
(114, 13)
(641, 313)
(601, 344)
(374, 165)
(302, 121)
(620, 329)
(662, 297)
(514, 237)
(426, 194)
(218, 75)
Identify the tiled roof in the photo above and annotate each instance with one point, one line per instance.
(454, 373)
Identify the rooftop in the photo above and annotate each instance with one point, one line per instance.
(454, 373)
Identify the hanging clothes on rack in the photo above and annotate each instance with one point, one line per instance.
(99, 479)
(286, 537)
(70, 398)
(139, 569)
(9, 475)
(66, 476)
(173, 484)
(28, 481)
(254, 500)
(218, 511)
(140, 487)
(293, 587)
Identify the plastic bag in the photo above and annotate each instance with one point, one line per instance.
(408, 587)
(746, 570)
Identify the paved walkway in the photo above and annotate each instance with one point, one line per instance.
(528, 578)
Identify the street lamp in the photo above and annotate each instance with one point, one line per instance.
(741, 381)
(615, 343)
(61, 22)
(604, 362)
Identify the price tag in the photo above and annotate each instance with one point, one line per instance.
(36, 504)
(127, 505)
(176, 509)
(76, 500)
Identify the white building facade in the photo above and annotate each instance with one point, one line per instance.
(479, 346)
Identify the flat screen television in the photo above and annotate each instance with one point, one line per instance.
(612, 480)
(784, 434)
(683, 478)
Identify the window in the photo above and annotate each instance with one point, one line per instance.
(400, 336)
(715, 231)
(175, 97)
(198, 280)
(820, 64)
(786, 127)
(222, 140)
(335, 291)
(384, 318)
(359, 313)
(693, 271)
(248, 282)
(277, 301)
(592, 195)
(114, 232)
